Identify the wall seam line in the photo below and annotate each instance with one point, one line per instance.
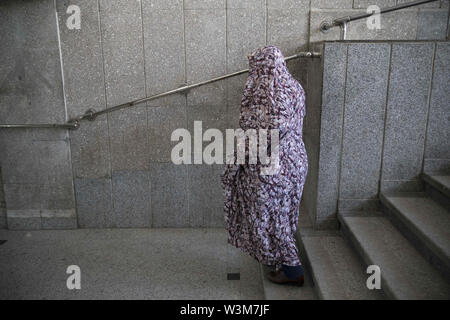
(66, 115)
(430, 91)
(186, 107)
(146, 114)
(342, 130)
(385, 118)
(108, 114)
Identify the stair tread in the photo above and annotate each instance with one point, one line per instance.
(337, 271)
(405, 273)
(440, 182)
(429, 221)
(273, 291)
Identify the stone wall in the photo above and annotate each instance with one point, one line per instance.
(383, 121)
(116, 171)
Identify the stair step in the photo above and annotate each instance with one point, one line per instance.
(335, 268)
(273, 291)
(425, 223)
(438, 187)
(405, 274)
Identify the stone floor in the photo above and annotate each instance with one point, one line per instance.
(125, 264)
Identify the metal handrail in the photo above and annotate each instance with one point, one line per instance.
(325, 26)
(69, 125)
(91, 114)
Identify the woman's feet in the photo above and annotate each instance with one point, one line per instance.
(280, 277)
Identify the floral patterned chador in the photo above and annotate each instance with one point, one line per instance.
(261, 211)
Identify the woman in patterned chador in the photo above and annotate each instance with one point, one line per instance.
(261, 210)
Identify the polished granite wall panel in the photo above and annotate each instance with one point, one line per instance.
(249, 18)
(287, 27)
(205, 196)
(364, 116)
(131, 199)
(169, 195)
(163, 27)
(123, 51)
(31, 89)
(205, 34)
(82, 58)
(128, 139)
(94, 202)
(437, 148)
(330, 130)
(406, 114)
(2, 204)
(162, 121)
(36, 163)
(122, 42)
(90, 149)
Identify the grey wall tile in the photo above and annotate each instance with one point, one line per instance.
(204, 4)
(331, 4)
(24, 223)
(3, 221)
(122, 40)
(90, 149)
(208, 105)
(252, 23)
(432, 24)
(128, 138)
(248, 4)
(407, 110)
(57, 195)
(205, 44)
(205, 196)
(131, 199)
(169, 204)
(438, 135)
(367, 73)
(381, 3)
(311, 137)
(437, 166)
(162, 121)
(55, 175)
(287, 4)
(94, 205)
(54, 162)
(164, 45)
(331, 121)
(162, 4)
(2, 192)
(39, 172)
(31, 88)
(235, 88)
(288, 29)
(298, 69)
(19, 158)
(22, 196)
(81, 51)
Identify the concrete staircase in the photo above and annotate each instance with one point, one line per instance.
(409, 240)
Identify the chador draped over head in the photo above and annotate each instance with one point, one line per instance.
(261, 210)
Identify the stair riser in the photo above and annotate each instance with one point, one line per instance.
(307, 265)
(365, 260)
(438, 196)
(411, 234)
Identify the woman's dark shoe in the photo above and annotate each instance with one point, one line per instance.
(280, 278)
